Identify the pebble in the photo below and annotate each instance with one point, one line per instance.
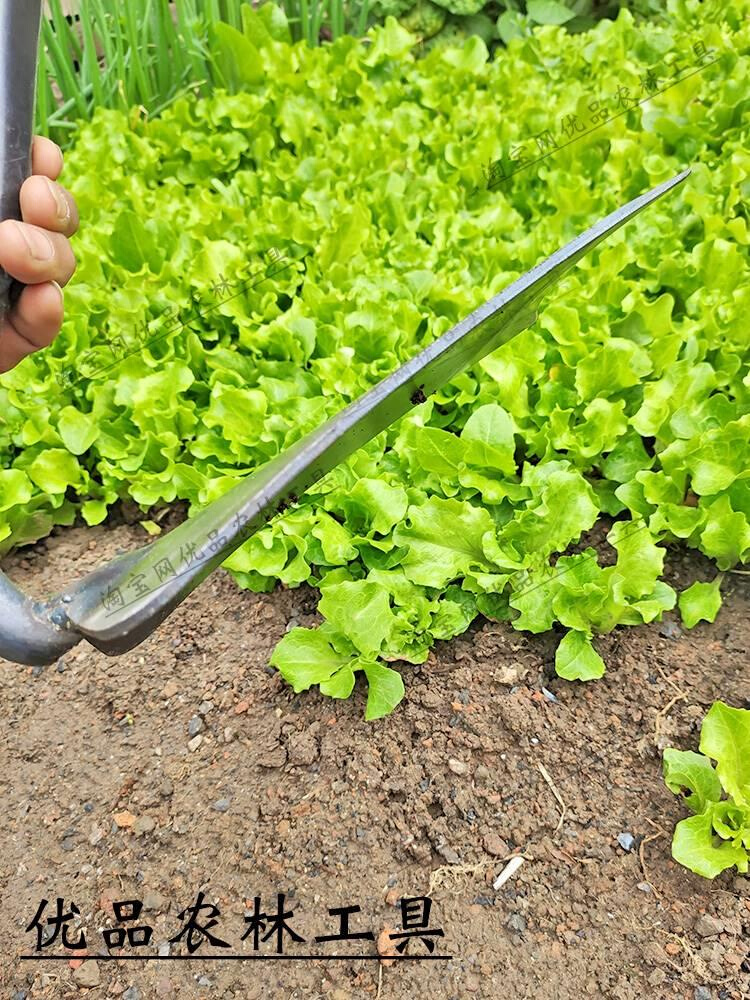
(87, 974)
(204, 981)
(163, 949)
(144, 824)
(164, 987)
(516, 923)
(195, 743)
(626, 841)
(195, 725)
(205, 707)
(549, 696)
(708, 926)
(20, 995)
(644, 887)
(670, 631)
(702, 993)
(496, 846)
(131, 993)
(153, 901)
(222, 805)
(449, 855)
(457, 766)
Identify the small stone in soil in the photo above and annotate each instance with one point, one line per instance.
(670, 631)
(457, 766)
(626, 841)
(222, 805)
(449, 855)
(131, 993)
(702, 993)
(644, 887)
(195, 725)
(495, 845)
(516, 923)
(153, 901)
(144, 824)
(195, 743)
(708, 926)
(205, 707)
(87, 974)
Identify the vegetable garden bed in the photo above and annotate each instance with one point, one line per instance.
(531, 584)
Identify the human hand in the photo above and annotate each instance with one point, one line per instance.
(37, 252)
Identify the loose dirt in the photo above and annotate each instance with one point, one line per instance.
(108, 794)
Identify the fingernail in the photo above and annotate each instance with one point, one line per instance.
(39, 244)
(59, 288)
(61, 202)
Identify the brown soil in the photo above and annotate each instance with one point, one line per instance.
(334, 811)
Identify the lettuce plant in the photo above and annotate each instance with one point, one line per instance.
(626, 407)
(717, 836)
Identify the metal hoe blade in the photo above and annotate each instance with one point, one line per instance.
(119, 605)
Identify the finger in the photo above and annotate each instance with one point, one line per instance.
(33, 255)
(33, 324)
(48, 205)
(46, 158)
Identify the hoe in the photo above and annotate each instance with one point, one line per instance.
(120, 604)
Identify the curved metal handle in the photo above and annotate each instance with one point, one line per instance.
(26, 633)
(20, 21)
